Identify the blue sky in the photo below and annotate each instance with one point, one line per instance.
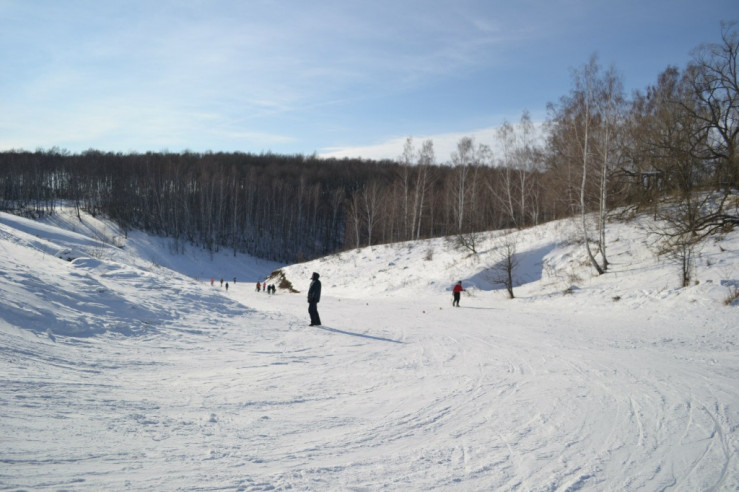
(341, 78)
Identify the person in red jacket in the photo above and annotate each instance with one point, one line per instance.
(456, 292)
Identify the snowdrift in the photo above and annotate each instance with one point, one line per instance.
(77, 277)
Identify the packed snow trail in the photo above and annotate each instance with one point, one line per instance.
(521, 402)
(476, 399)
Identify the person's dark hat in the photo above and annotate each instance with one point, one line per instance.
(315, 276)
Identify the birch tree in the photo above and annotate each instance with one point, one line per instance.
(610, 109)
(425, 162)
(506, 136)
(574, 127)
(462, 159)
(585, 83)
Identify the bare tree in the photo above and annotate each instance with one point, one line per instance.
(713, 77)
(462, 159)
(584, 128)
(425, 161)
(524, 163)
(506, 136)
(584, 95)
(371, 204)
(354, 210)
(610, 106)
(677, 240)
(507, 262)
(407, 159)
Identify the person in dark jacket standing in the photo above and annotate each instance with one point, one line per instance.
(314, 296)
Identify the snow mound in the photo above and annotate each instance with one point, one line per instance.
(60, 282)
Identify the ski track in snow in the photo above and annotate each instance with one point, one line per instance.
(117, 376)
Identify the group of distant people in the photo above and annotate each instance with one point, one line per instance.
(261, 286)
(269, 289)
(213, 281)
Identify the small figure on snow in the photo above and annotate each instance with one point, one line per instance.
(226, 286)
(259, 286)
(314, 296)
(457, 292)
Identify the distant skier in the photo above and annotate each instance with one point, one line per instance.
(259, 286)
(314, 296)
(457, 292)
(226, 286)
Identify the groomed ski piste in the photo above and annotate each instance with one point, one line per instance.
(123, 368)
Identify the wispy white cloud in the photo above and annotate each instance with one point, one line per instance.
(155, 68)
(444, 145)
(289, 75)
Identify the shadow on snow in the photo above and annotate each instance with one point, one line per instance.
(528, 269)
(359, 335)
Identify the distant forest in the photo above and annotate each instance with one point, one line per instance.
(598, 149)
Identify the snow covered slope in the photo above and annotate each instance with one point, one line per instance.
(123, 367)
(551, 259)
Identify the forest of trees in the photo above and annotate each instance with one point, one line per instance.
(599, 148)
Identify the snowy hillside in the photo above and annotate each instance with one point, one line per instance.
(551, 259)
(123, 367)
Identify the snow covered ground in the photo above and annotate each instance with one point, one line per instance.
(124, 368)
